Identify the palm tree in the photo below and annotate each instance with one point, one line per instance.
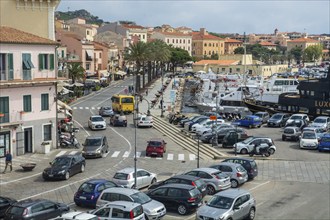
(159, 53)
(76, 71)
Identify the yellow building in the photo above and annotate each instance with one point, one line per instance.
(231, 45)
(23, 14)
(302, 43)
(206, 45)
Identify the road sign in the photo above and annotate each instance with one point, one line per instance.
(213, 117)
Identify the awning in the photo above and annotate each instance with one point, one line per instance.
(65, 91)
(78, 84)
(63, 105)
(89, 53)
(104, 73)
(122, 73)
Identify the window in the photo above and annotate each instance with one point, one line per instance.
(88, 66)
(188, 41)
(118, 213)
(168, 41)
(4, 109)
(49, 205)
(27, 64)
(46, 61)
(27, 103)
(225, 168)
(159, 192)
(192, 173)
(37, 208)
(44, 102)
(6, 66)
(103, 212)
(174, 193)
(100, 55)
(180, 41)
(48, 132)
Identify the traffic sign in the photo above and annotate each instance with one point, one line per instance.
(213, 117)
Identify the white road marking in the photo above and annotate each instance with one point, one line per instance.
(80, 107)
(86, 107)
(192, 157)
(98, 108)
(74, 107)
(93, 108)
(170, 156)
(181, 157)
(73, 152)
(62, 152)
(138, 154)
(159, 158)
(259, 186)
(126, 154)
(115, 154)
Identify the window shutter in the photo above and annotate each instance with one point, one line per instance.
(10, 66)
(40, 61)
(51, 57)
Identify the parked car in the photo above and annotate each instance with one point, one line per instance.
(183, 179)
(125, 177)
(76, 215)
(40, 209)
(322, 121)
(182, 122)
(97, 122)
(197, 120)
(250, 121)
(95, 146)
(120, 210)
(180, 197)
(207, 123)
(308, 140)
(292, 133)
(230, 204)
(106, 111)
(225, 131)
(318, 130)
(89, 191)
(278, 120)
(156, 147)
(264, 116)
(65, 166)
(232, 137)
(118, 120)
(248, 144)
(5, 203)
(213, 178)
(324, 144)
(209, 129)
(300, 123)
(210, 137)
(144, 121)
(152, 208)
(238, 175)
(249, 165)
(297, 117)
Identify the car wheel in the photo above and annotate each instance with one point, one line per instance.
(234, 183)
(182, 209)
(283, 138)
(133, 187)
(82, 168)
(252, 214)
(210, 190)
(244, 151)
(271, 151)
(67, 175)
(153, 181)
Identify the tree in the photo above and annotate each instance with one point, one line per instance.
(313, 53)
(239, 50)
(179, 56)
(296, 54)
(76, 71)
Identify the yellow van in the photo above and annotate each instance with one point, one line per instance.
(123, 103)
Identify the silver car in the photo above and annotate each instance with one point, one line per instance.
(214, 179)
(152, 208)
(229, 204)
(246, 146)
(106, 111)
(322, 121)
(125, 177)
(238, 175)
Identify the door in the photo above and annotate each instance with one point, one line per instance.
(139, 179)
(28, 140)
(160, 195)
(4, 143)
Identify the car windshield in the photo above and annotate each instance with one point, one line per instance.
(220, 202)
(155, 144)
(97, 119)
(15, 210)
(199, 183)
(320, 120)
(247, 140)
(259, 115)
(220, 175)
(87, 188)
(61, 161)
(309, 135)
(93, 142)
(140, 198)
(194, 192)
(106, 108)
(325, 139)
(276, 117)
(296, 117)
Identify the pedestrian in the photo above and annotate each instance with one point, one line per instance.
(126, 91)
(147, 92)
(9, 159)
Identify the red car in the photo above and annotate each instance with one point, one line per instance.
(155, 147)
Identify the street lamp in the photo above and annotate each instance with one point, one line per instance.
(162, 90)
(197, 150)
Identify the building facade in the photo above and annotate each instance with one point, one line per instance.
(302, 43)
(177, 40)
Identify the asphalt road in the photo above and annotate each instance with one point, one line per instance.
(292, 184)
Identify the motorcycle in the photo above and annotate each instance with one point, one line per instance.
(69, 140)
(263, 150)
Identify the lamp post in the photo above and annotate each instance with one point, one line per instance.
(135, 115)
(162, 89)
(197, 150)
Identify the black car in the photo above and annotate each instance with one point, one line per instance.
(183, 179)
(210, 137)
(223, 132)
(5, 202)
(95, 146)
(39, 209)
(180, 197)
(64, 166)
(248, 163)
(278, 120)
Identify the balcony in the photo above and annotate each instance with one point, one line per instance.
(6, 75)
(27, 75)
(4, 118)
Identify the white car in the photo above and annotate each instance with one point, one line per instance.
(248, 144)
(77, 216)
(125, 177)
(206, 123)
(144, 121)
(297, 117)
(322, 122)
(309, 140)
(97, 122)
(209, 129)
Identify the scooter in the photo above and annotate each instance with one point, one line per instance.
(68, 141)
(263, 150)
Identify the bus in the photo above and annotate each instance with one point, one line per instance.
(122, 103)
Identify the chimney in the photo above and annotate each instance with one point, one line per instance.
(203, 31)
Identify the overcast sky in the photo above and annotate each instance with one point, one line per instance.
(220, 16)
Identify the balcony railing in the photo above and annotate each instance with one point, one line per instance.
(4, 118)
(27, 75)
(6, 75)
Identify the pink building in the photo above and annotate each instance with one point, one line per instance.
(28, 92)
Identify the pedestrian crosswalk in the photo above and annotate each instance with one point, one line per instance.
(29, 158)
(85, 108)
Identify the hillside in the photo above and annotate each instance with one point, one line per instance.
(90, 19)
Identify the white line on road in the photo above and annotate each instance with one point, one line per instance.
(86, 107)
(126, 154)
(73, 152)
(159, 158)
(93, 108)
(115, 154)
(80, 107)
(181, 157)
(192, 157)
(170, 156)
(74, 107)
(62, 152)
(259, 186)
(138, 154)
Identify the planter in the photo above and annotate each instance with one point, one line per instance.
(2, 115)
(28, 166)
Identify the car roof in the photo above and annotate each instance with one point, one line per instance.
(179, 186)
(251, 116)
(299, 115)
(28, 202)
(233, 193)
(66, 156)
(128, 170)
(96, 181)
(230, 164)
(95, 137)
(95, 116)
(291, 127)
(327, 135)
(78, 215)
(323, 117)
(156, 139)
(124, 204)
(239, 158)
(206, 169)
(261, 113)
(186, 177)
(124, 191)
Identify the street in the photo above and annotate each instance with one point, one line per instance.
(292, 183)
